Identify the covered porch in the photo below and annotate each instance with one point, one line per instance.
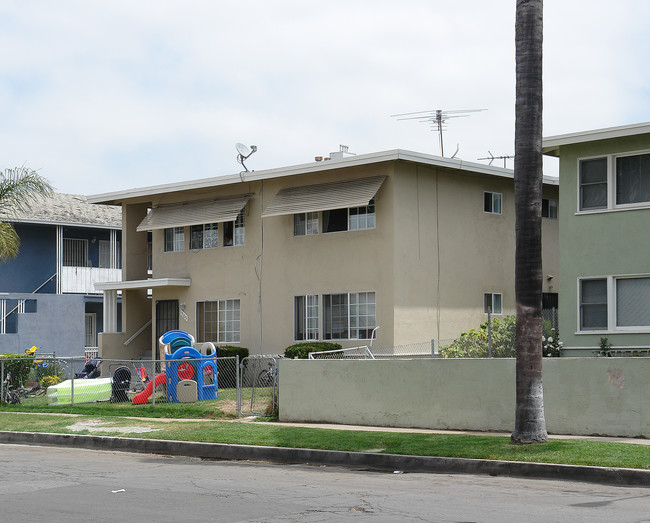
(136, 340)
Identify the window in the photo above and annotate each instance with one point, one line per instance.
(633, 179)
(233, 232)
(91, 330)
(348, 316)
(492, 202)
(593, 304)
(204, 236)
(305, 223)
(75, 253)
(175, 239)
(614, 181)
(306, 317)
(593, 184)
(492, 303)
(105, 254)
(549, 208)
(352, 219)
(362, 217)
(218, 321)
(633, 302)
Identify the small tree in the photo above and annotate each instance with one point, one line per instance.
(20, 188)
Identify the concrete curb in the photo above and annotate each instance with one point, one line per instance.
(219, 451)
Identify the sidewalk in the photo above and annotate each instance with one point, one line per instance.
(356, 460)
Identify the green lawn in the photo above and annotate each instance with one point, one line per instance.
(575, 452)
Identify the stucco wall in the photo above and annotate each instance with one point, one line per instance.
(56, 326)
(605, 396)
(597, 244)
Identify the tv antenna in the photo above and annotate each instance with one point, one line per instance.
(437, 119)
(491, 157)
(244, 152)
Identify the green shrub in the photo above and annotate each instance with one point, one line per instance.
(19, 365)
(225, 351)
(301, 350)
(475, 343)
(48, 381)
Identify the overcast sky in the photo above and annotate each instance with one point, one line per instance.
(102, 96)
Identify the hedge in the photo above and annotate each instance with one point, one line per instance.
(301, 350)
(19, 365)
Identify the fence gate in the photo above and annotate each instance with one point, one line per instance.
(258, 385)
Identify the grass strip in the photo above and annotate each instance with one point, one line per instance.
(570, 452)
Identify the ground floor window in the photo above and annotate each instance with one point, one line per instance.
(91, 330)
(492, 303)
(349, 315)
(615, 303)
(305, 310)
(218, 321)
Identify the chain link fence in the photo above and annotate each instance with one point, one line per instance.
(249, 387)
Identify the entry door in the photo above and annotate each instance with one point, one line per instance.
(166, 317)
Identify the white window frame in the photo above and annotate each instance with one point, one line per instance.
(551, 207)
(370, 218)
(310, 311)
(611, 184)
(311, 223)
(493, 300)
(238, 231)
(177, 243)
(205, 228)
(90, 330)
(350, 314)
(612, 316)
(494, 198)
(228, 321)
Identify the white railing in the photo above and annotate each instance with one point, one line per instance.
(82, 279)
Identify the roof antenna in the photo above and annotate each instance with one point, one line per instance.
(244, 152)
(436, 118)
(457, 149)
(491, 157)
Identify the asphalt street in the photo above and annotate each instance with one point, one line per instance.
(66, 484)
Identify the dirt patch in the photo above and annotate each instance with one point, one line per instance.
(94, 426)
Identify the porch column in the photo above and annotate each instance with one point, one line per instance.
(110, 311)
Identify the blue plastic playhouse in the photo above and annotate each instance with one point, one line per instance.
(191, 376)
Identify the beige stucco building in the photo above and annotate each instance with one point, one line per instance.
(417, 244)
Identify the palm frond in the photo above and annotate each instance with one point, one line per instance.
(20, 188)
(9, 241)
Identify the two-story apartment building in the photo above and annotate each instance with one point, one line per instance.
(417, 244)
(604, 237)
(47, 293)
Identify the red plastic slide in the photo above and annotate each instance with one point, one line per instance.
(142, 397)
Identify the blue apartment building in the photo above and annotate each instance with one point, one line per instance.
(47, 293)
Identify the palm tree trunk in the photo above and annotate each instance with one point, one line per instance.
(530, 425)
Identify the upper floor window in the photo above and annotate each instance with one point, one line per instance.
(613, 181)
(174, 239)
(492, 202)
(305, 223)
(354, 218)
(234, 232)
(549, 208)
(204, 236)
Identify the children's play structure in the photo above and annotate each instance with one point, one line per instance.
(189, 375)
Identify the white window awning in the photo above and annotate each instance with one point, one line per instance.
(194, 213)
(142, 284)
(324, 196)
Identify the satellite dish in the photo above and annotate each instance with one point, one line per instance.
(242, 149)
(244, 152)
